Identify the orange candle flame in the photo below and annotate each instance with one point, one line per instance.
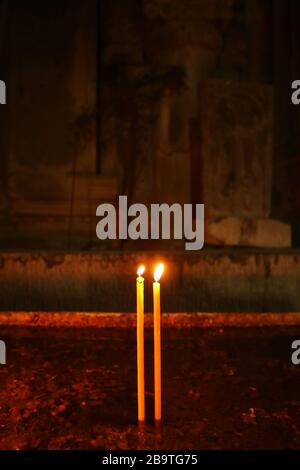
(158, 272)
(141, 270)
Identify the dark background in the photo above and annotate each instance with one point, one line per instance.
(84, 82)
(163, 101)
(168, 101)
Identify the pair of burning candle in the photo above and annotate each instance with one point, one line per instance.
(157, 343)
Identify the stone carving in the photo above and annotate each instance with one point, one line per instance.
(260, 233)
(236, 148)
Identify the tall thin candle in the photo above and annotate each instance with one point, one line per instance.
(157, 342)
(140, 344)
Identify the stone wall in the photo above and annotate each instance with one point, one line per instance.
(213, 281)
(154, 55)
(145, 43)
(50, 188)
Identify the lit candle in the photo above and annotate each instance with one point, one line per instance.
(140, 344)
(157, 342)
